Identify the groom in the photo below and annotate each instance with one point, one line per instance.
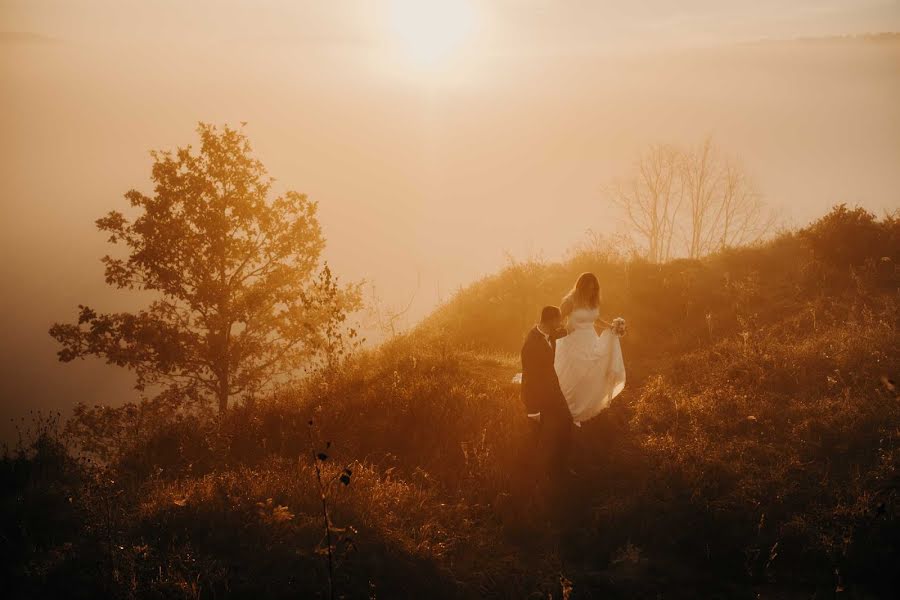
(541, 392)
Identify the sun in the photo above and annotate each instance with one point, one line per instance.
(430, 33)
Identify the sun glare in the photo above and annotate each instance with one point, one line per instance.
(430, 33)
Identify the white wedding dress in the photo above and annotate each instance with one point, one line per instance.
(589, 366)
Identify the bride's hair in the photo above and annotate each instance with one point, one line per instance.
(586, 293)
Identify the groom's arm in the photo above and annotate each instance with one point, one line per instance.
(531, 363)
(537, 369)
(550, 388)
(559, 333)
(532, 377)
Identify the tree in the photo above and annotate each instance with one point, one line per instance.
(725, 207)
(242, 299)
(701, 179)
(742, 217)
(651, 199)
(698, 193)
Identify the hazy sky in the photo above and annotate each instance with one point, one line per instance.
(435, 142)
(558, 24)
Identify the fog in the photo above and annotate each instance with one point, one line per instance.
(425, 181)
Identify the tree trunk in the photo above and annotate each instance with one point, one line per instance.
(222, 394)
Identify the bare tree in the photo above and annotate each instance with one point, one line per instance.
(705, 197)
(726, 209)
(701, 178)
(651, 200)
(742, 216)
(387, 318)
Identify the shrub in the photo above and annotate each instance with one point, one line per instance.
(847, 237)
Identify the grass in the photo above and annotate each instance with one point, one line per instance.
(753, 454)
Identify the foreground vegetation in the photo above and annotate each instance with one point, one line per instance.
(754, 453)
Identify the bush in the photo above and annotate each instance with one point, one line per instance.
(848, 237)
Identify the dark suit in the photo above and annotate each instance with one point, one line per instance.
(541, 393)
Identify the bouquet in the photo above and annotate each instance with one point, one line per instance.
(618, 326)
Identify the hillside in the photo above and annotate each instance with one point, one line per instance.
(753, 453)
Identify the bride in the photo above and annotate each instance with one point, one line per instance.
(589, 366)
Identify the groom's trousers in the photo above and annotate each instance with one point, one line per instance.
(556, 439)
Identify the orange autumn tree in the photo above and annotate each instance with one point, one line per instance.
(243, 299)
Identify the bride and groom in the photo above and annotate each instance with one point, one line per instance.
(571, 367)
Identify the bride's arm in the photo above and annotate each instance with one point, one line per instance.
(605, 326)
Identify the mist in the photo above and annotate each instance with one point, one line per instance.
(424, 183)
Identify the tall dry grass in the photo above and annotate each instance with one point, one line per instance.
(753, 454)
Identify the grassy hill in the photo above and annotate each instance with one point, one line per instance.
(753, 453)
